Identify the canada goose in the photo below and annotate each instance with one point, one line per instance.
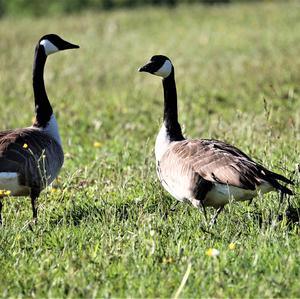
(205, 172)
(31, 158)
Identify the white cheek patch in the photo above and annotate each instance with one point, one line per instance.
(49, 47)
(165, 70)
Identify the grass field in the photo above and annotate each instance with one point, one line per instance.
(107, 228)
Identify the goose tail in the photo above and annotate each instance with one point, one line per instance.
(275, 177)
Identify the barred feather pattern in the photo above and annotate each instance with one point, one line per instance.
(31, 153)
(212, 171)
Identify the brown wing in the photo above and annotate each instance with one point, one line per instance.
(33, 154)
(218, 162)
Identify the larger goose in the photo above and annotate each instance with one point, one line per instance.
(31, 158)
(204, 172)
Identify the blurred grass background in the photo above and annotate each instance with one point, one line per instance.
(45, 7)
(106, 228)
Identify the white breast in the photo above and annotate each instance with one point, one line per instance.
(172, 180)
(178, 191)
(162, 143)
(178, 185)
(52, 129)
(9, 181)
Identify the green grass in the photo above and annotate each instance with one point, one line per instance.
(109, 229)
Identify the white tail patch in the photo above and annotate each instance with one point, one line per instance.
(8, 175)
(221, 194)
(48, 46)
(165, 70)
(9, 181)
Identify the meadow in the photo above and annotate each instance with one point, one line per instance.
(106, 227)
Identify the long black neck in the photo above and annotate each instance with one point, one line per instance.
(43, 108)
(170, 108)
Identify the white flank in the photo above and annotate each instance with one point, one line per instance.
(162, 142)
(8, 175)
(181, 188)
(221, 194)
(48, 46)
(9, 181)
(52, 129)
(165, 70)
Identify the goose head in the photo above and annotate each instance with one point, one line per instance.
(158, 65)
(52, 43)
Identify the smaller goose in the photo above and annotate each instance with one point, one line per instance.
(205, 172)
(31, 158)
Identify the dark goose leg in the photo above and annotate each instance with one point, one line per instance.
(1, 211)
(214, 218)
(34, 194)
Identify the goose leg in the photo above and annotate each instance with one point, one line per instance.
(1, 204)
(34, 194)
(280, 201)
(281, 197)
(214, 218)
(172, 209)
(289, 202)
(204, 210)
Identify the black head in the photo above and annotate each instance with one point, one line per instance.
(158, 65)
(53, 43)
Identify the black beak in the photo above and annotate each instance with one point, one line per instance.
(66, 45)
(148, 67)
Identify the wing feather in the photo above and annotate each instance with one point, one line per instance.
(28, 162)
(219, 162)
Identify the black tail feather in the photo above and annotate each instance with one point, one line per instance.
(285, 190)
(280, 187)
(282, 178)
(273, 179)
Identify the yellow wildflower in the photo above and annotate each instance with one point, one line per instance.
(168, 260)
(231, 246)
(97, 144)
(212, 252)
(68, 155)
(5, 192)
(25, 145)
